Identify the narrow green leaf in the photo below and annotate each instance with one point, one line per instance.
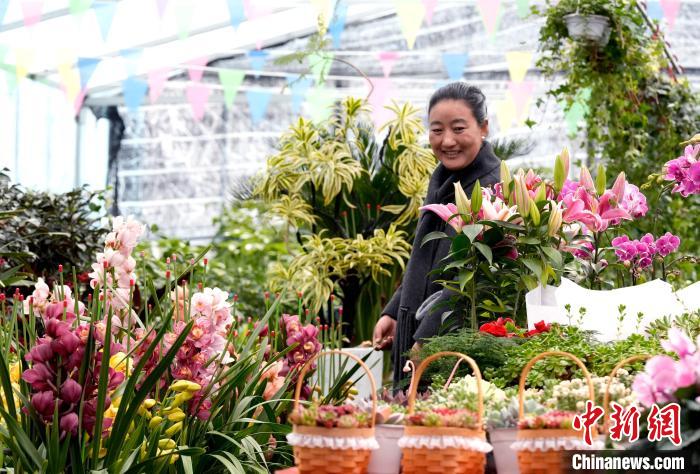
(485, 251)
(472, 231)
(433, 236)
(464, 277)
(528, 240)
(554, 256)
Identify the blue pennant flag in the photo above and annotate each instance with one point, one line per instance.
(298, 88)
(337, 24)
(134, 92)
(3, 8)
(87, 67)
(236, 12)
(454, 64)
(654, 10)
(258, 102)
(104, 12)
(257, 60)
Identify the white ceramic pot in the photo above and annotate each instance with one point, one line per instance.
(594, 28)
(506, 458)
(386, 459)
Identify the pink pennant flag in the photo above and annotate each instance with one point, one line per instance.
(383, 87)
(387, 59)
(429, 10)
(161, 4)
(670, 9)
(195, 68)
(197, 95)
(522, 93)
(31, 11)
(255, 10)
(156, 83)
(78, 102)
(489, 13)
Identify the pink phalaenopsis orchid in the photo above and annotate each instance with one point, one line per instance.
(685, 171)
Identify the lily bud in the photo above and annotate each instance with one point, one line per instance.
(461, 200)
(561, 169)
(534, 212)
(619, 186)
(555, 220)
(522, 199)
(541, 194)
(476, 197)
(586, 180)
(505, 180)
(601, 180)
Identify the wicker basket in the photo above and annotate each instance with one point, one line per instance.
(444, 460)
(329, 460)
(550, 461)
(606, 396)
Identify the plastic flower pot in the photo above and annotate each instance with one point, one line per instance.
(594, 28)
(386, 459)
(506, 459)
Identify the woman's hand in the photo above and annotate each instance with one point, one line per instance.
(384, 332)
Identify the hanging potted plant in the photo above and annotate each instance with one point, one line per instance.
(586, 20)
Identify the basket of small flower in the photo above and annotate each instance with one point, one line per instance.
(543, 439)
(330, 439)
(444, 440)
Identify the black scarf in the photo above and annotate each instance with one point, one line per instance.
(417, 285)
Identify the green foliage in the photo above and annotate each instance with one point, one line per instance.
(351, 200)
(39, 230)
(607, 356)
(639, 109)
(489, 352)
(688, 322)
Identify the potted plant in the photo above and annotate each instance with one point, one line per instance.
(584, 20)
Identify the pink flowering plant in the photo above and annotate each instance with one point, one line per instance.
(674, 379)
(553, 419)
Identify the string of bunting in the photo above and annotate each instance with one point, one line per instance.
(75, 73)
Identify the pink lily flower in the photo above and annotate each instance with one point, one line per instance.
(448, 213)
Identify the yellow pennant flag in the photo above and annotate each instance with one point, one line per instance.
(505, 112)
(410, 14)
(24, 57)
(70, 80)
(518, 64)
(324, 9)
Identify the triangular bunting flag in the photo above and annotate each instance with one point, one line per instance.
(505, 112)
(31, 11)
(257, 103)
(522, 8)
(70, 80)
(257, 60)
(298, 88)
(573, 117)
(518, 64)
(324, 9)
(3, 9)
(490, 13)
(320, 65)
(184, 11)
(387, 60)
(197, 95)
(454, 64)
(337, 24)
(156, 83)
(87, 67)
(522, 94)
(104, 13)
(23, 61)
(161, 6)
(670, 9)
(231, 80)
(654, 10)
(410, 14)
(256, 9)
(236, 12)
(79, 6)
(78, 102)
(195, 68)
(429, 10)
(380, 94)
(134, 90)
(320, 103)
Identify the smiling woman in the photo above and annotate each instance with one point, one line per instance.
(458, 129)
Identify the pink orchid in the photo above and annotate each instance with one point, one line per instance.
(448, 213)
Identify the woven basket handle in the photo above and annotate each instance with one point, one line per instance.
(606, 396)
(537, 358)
(424, 365)
(309, 363)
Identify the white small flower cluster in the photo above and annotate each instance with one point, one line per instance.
(571, 395)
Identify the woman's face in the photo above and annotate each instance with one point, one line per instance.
(455, 136)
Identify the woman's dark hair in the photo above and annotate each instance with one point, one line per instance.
(471, 95)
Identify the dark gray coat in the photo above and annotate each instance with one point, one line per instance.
(417, 285)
